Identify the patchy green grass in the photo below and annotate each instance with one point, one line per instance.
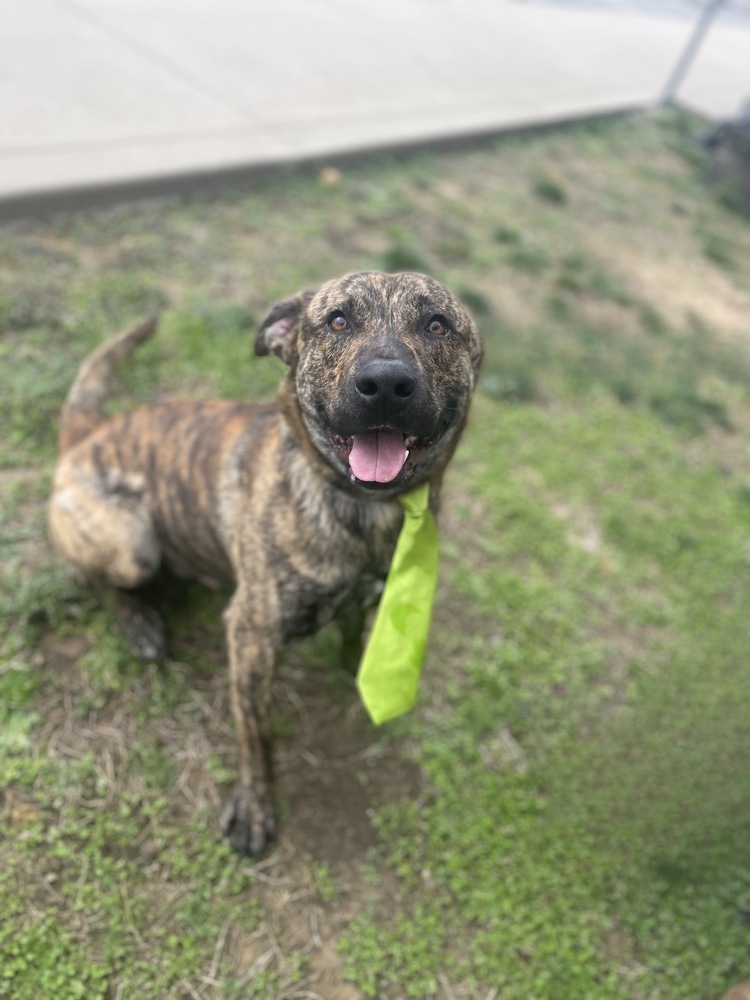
(574, 767)
(566, 813)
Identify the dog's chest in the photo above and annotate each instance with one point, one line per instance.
(318, 550)
(308, 607)
(336, 567)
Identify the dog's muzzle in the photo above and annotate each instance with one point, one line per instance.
(386, 388)
(383, 421)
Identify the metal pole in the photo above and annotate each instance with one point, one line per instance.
(684, 62)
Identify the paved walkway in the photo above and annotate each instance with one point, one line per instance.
(96, 93)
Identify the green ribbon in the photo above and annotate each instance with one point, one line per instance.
(388, 677)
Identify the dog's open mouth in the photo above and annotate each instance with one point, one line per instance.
(376, 456)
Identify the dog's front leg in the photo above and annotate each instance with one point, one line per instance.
(248, 820)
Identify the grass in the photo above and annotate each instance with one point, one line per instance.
(566, 813)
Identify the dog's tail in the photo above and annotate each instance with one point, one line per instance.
(82, 411)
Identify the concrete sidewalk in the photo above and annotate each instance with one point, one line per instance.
(97, 94)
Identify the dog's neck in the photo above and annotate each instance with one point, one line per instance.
(314, 484)
(289, 408)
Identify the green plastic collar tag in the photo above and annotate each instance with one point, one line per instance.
(388, 678)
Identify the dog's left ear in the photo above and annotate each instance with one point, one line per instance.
(276, 334)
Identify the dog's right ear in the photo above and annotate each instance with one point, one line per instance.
(276, 334)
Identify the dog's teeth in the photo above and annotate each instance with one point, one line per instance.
(407, 454)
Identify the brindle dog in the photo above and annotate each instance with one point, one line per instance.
(293, 503)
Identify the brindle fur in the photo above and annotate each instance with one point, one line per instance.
(257, 495)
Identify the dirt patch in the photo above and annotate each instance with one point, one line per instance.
(683, 286)
(330, 774)
(583, 529)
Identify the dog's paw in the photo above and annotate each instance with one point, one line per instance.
(248, 823)
(142, 627)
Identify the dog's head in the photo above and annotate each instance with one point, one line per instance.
(381, 372)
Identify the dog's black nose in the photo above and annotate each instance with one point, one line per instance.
(387, 382)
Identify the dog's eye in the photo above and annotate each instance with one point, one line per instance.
(437, 326)
(338, 323)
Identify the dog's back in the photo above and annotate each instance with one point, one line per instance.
(156, 482)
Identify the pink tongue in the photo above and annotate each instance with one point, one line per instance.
(377, 456)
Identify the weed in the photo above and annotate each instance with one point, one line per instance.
(719, 249)
(29, 604)
(41, 959)
(652, 321)
(558, 307)
(402, 255)
(454, 245)
(509, 385)
(549, 190)
(532, 260)
(507, 235)
(684, 407)
(326, 884)
(33, 382)
(584, 276)
(476, 301)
